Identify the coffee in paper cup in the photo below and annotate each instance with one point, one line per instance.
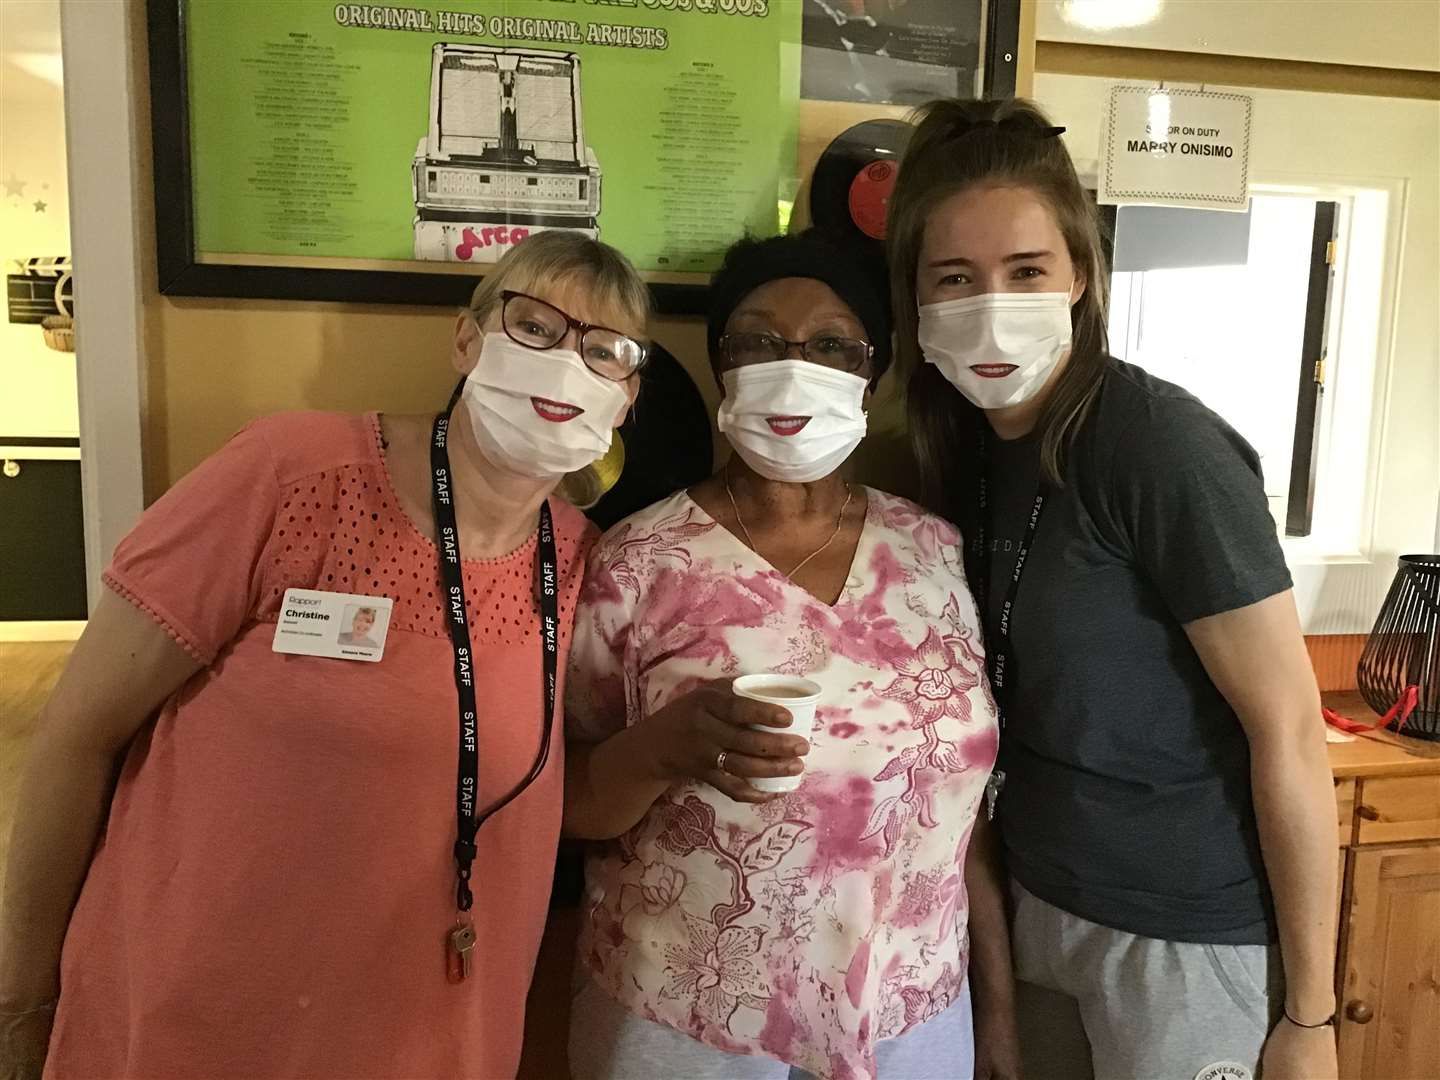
(796, 696)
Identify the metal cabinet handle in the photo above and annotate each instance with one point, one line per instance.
(1359, 1012)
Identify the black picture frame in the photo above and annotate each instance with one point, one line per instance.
(181, 274)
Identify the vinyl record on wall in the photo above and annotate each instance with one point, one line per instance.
(850, 188)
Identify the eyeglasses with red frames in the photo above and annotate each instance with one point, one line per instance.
(539, 325)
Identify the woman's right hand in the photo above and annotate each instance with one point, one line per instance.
(685, 739)
(24, 1041)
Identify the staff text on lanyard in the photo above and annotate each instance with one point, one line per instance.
(999, 652)
(468, 817)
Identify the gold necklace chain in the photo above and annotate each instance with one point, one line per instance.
(839, 524)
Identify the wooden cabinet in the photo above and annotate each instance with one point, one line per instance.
(1345, 810)
(1390, 990)
(1387, 800)
(1398, 809)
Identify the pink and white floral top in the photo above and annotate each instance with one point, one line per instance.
(810, 927)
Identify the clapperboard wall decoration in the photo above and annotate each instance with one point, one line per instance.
(39, 287)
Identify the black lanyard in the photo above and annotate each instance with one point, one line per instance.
(468, 818)
(999, 658)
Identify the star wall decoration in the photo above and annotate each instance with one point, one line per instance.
(15, 186)
(40, 206)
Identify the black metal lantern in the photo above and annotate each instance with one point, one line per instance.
(1404, 648)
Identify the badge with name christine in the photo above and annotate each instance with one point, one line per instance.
(342, 625)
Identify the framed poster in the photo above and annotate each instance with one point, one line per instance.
(891, 53)
(388, 153)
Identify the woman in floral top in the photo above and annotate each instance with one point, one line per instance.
(730, 932)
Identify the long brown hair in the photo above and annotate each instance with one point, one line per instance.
(958, 145)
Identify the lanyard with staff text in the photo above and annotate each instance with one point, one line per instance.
(468, 817)
(999, 658)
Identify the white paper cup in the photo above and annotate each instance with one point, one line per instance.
(795, 695)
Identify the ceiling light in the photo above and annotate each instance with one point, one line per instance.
(1109, 14)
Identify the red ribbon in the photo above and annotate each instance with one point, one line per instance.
(1403, 707)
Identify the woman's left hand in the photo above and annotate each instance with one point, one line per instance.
(997, 1048)
(1296, 1053)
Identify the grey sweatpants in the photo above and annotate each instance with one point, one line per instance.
(1096, 1002)
(609, 1042)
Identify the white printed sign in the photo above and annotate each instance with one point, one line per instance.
(1177, 148)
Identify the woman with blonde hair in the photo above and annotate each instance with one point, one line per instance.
(1167, 814)
(280, 882)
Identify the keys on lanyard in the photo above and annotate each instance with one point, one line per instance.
(459, 946)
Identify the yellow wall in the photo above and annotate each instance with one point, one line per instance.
(1394, 34)
(213, 365)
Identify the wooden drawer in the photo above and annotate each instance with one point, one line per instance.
(1399, 808)
(1345, 810)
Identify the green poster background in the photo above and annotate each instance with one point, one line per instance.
(303, 130)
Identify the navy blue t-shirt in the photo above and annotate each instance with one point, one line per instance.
(1127, 799)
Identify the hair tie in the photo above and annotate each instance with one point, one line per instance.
(1011, 125)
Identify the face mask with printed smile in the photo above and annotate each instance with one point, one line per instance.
(791, 420)
(998, 349)
(539, 412)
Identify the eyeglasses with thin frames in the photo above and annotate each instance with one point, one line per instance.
(828, 350)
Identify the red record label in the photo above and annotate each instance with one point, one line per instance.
(870, 196)
(852, 181)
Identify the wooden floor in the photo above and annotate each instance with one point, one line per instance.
(27, 674)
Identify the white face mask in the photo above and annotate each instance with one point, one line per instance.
(763, 407)
(522, 404)
(1000, 348)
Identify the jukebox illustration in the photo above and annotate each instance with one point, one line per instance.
(505, 155)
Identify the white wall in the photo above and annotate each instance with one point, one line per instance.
(1363, 142)
(39, 396)
(1372, 33)
(103, 44)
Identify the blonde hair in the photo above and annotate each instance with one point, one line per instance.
(563, 256)
(958, 145)
(560, 256)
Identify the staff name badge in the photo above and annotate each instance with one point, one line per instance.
(344, 626)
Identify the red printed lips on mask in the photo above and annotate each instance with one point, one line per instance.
(998, 349)
(763, 403)
(539, 413)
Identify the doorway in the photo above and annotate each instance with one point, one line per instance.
(42, 547)
(1235, 309)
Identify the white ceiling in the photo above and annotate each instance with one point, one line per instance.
(1371, 33)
